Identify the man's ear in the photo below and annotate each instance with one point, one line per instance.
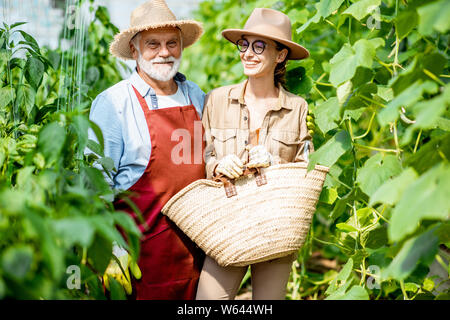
(134, 52)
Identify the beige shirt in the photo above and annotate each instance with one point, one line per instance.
(226, 122)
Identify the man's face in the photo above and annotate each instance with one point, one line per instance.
(159, 53)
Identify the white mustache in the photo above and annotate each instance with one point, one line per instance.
(163, 60)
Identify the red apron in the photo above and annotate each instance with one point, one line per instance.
(170, 262)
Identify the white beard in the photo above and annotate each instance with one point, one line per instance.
(158, 71)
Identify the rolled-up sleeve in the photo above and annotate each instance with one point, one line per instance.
(104, 115)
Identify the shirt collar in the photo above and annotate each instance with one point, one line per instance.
(141, 86)
(237, 93)
(144, 88)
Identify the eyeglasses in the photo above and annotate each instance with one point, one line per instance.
(258, 46)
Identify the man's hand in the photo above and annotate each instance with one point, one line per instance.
(259, 157)
(121, 272)
(230, 166)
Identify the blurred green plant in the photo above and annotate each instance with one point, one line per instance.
(56, 212)
(377, 86)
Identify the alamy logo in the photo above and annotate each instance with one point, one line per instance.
(74, 280)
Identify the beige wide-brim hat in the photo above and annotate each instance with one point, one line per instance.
(151, 15)
(271, 24)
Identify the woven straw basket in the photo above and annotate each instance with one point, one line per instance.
(258, 222)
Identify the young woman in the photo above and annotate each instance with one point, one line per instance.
(259, 116)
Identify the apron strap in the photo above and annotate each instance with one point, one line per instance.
(154, 98)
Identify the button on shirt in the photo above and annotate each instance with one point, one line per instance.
(120, 117)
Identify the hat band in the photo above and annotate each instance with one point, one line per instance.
(269, 31)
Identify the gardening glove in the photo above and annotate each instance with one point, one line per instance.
(259, 157)
(230, 166)
(121, 273)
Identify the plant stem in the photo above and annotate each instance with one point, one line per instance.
(320, 93)
(433, 76)
(402, 286)
(374, 148)
(417, 141)
(373, 101)
(396, 138)
(368, 129)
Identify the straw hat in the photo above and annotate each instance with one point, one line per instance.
(151, 15)
(271, 24)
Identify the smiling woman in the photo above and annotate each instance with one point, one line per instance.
(258, 116)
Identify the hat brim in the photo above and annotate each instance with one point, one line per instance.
(191, 31)
(297, 52)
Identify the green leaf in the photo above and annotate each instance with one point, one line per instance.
(376, 238)
(349, 58)
(354, 114)
(117, 291)
(34, 71)
(324, 9)
(99, 135)
(420, 248)
(355, 293)
(432, 62)
(430, 154)
(6, 96)
(434, 16)
(327, 114)
(343, 91)
(94, 180)
(407, 98)
(17, 261)
(426, 198)
(346, 227)
(2, 289)
(52, 254)
(24, 176)
(405, 23)
(362, 8)
(107, 163)
(26, 96)
(427, 113)
(100, 253)
(391, 190)
(341, 280)
(76, 230)
(81, 125)
(55, 59)
(30, 41)
(331, 151)
(95, 147)
(51, 141)
(126, 222)
(376, 171)
(328, 195)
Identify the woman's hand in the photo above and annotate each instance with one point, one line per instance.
(230, 166)
(259, 157)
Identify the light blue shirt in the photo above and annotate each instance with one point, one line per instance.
(125, 132)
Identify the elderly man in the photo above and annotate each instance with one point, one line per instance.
(142, 120)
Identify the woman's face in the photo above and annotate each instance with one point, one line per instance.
(263, 64)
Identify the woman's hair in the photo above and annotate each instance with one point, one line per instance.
(280, 69)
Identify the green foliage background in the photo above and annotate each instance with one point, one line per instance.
(56, 212)
(377, 84)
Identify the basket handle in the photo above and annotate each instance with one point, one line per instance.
(230, 188)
